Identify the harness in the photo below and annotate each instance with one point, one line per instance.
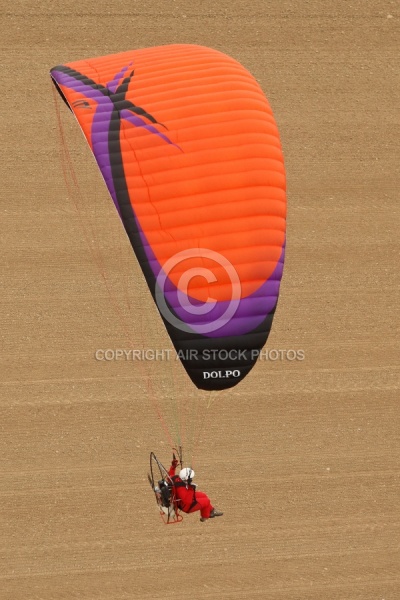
(180, 483)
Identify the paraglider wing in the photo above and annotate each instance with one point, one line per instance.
(190, 152)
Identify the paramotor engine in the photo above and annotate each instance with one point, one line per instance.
(164, 491)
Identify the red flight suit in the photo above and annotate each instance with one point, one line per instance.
(190, 499)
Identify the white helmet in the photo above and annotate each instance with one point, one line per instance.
(186, 474)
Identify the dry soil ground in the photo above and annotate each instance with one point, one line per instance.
(303, 456)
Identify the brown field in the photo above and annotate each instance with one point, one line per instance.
(303, 456)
